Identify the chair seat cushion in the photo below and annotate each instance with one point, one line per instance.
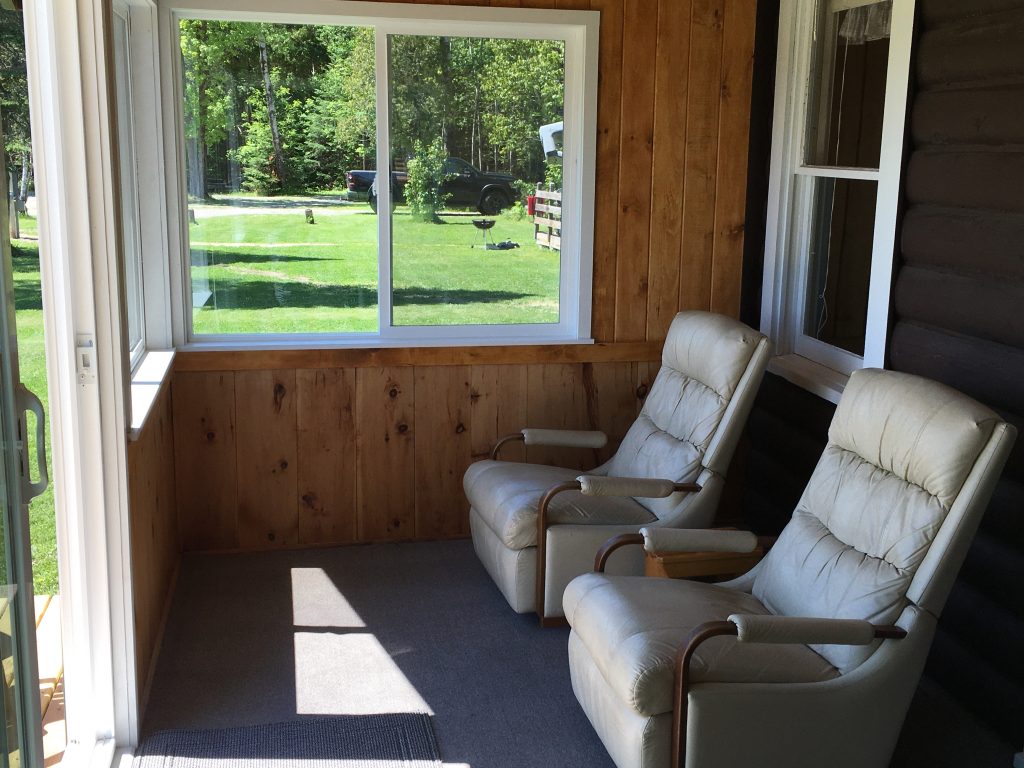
(633, 626)
(506, 495)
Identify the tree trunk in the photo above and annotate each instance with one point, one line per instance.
(268, 89)
(13, 225)
(26, 176)
(446, 87)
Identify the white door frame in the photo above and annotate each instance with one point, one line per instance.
(69, 93)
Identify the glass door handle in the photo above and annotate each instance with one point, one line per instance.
(27, 401)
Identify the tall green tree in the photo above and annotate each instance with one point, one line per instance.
(14, 104)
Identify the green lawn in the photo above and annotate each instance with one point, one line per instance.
(32, 363)
(273, 272)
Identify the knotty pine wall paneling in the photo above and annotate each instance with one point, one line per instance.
(267, 448)
(371, 445)
(673, 116)
(204, 447)
(155, 541)
(385, 454)
(343, 455)
(326, 471)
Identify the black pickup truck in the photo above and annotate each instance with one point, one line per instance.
(466, 187)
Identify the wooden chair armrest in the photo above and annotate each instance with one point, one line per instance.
(614, 543)
(542, 540)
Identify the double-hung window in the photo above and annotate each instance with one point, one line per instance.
(836, 160)
(370, 179)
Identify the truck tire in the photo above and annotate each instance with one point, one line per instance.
(492, 202)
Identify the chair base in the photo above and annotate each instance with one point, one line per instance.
(632, 740)
(513, 570)
(570, 553)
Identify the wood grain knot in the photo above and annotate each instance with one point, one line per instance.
(309, 499)
(211, 436)
(279, 392)
(284, 464)
(460, 428)
(271, 536)
(393, 393)
(641, 392)
(403, 428)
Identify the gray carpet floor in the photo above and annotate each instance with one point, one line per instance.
(271, 637)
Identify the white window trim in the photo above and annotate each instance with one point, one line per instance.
(784, 271)
(71, 131)
(148, 125)
(134, 290)
(579, 30)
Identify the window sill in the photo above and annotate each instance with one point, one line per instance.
(807, 374)
(312, 342)
(147, 383)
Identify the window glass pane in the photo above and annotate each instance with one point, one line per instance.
(280, 141)
(847, 99)
(839, 261)
(465, 141)
(129, 190)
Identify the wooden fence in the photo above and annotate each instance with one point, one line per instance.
(547, 219)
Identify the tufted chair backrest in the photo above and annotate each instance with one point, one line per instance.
(890, 509)
(710, 371)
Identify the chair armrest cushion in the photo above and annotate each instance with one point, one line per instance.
(565, 438)
(802, 631)
(666, 540)
(644, 487)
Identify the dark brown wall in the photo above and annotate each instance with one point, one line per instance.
(959, 311)
(958, 317)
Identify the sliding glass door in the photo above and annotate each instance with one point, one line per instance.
(21, 736)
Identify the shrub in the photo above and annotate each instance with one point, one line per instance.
(524, 188)
(423, 190)
(553, 175)
(517, 212)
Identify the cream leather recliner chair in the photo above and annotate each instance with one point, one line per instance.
(811, 658)
(681, 445)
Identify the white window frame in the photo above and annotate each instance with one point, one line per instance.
(133, 271)
(812, 364)
(579, 30)
(70, 96)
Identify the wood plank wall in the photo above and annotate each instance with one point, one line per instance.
(292, 449)
(315, 456)
(273, 449)
(672, 131)
(155, 544)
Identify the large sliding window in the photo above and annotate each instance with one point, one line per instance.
(354, 179)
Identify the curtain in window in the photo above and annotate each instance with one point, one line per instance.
(866, 23)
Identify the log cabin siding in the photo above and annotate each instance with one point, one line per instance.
(957, 318)
(958, 293)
